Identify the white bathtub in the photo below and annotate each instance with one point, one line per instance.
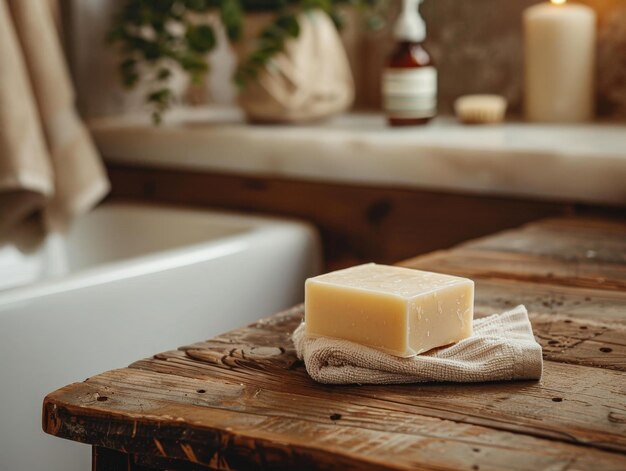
(127, 282)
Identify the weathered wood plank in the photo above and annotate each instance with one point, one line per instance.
(550, 409)
(583, 241)
(581, 343)
(575, 303)
(570, 252)
(228, 436)
(484, 264)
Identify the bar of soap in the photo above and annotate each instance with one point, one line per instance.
(400, 311)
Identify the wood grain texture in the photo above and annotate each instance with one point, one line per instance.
(242, 400)
(588, 253)
(531, 407)
(375, 436)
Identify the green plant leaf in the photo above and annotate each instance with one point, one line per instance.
(288, 23)
(161, 95)
(128, 71)
(337, 18)
(192, 62)
(232, 18)
(157, 117)
(161, 6)
(163, 74)
(198, 6)
(200, 38)
(141, 32)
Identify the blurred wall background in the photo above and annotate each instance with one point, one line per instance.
(477, 45)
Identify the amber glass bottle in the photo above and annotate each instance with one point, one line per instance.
(410, 77)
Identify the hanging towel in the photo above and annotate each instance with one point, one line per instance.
(48, 163)
(502, 347)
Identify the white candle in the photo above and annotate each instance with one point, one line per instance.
(560, 42)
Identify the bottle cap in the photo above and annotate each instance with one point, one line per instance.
(410, 25)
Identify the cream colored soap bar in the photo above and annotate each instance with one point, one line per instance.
(398, 310)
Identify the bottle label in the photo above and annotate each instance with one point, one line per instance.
(410, 93)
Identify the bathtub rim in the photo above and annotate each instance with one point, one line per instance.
(254, 229)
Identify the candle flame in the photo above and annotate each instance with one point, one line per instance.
(558, 2)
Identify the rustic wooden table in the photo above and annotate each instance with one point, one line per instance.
(243, 401)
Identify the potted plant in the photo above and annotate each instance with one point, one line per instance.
(158, 37)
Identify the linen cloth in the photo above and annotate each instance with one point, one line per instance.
(502, 347)
(309, 80)
(48, 163)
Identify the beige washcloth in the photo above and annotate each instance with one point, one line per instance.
(48, 163)
(502, 348)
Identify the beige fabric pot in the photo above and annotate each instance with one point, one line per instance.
(310, 80)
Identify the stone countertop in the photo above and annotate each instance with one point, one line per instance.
(578, 163)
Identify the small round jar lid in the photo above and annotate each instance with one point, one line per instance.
(480, 109)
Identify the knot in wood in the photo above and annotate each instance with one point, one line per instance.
(261, 352)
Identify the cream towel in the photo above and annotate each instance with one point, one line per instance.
(502, 348)
(47, 159)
